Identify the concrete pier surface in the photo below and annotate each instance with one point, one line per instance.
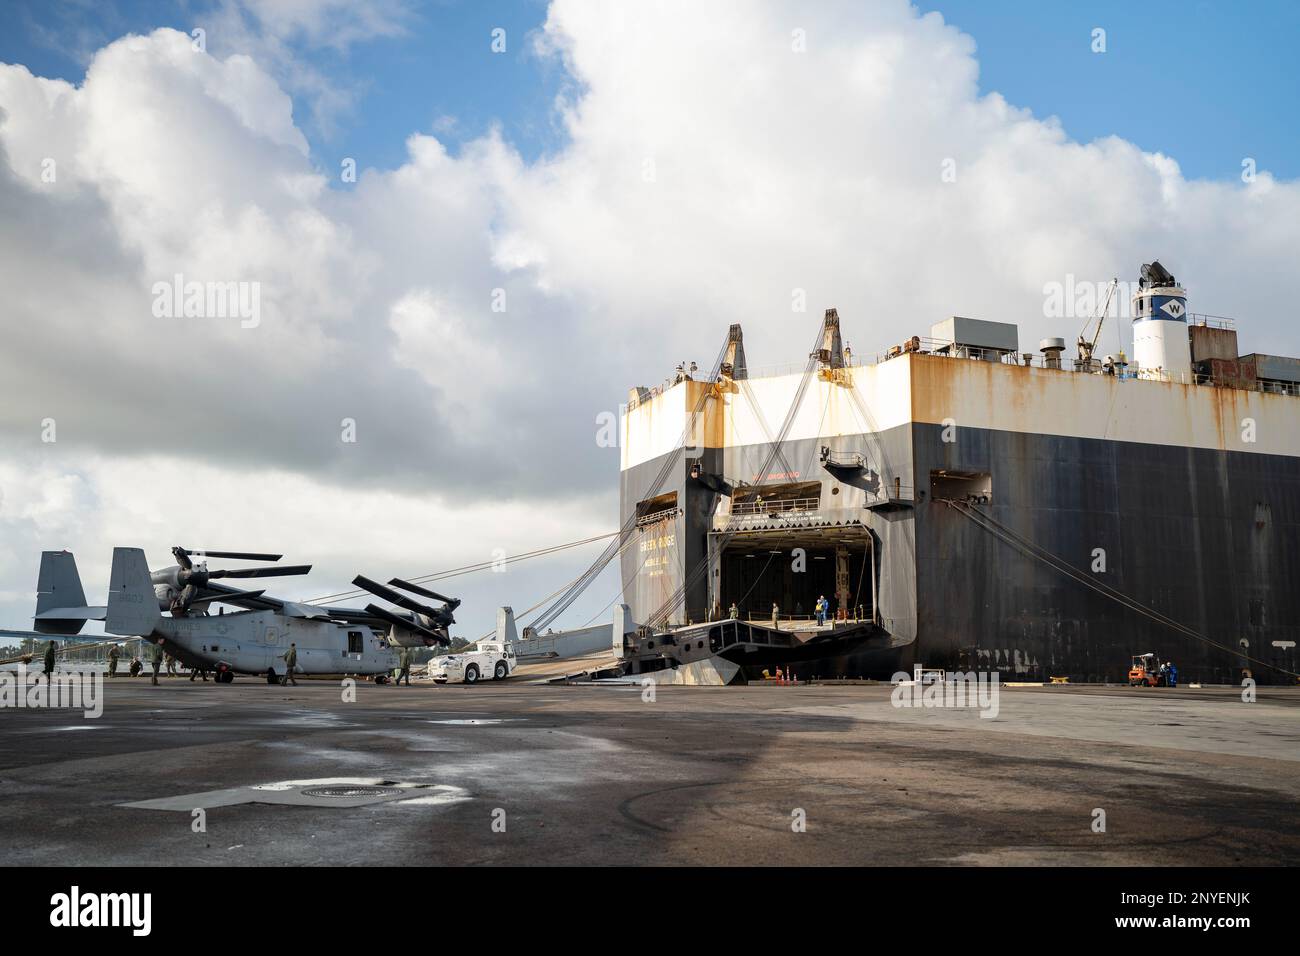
(592, 774)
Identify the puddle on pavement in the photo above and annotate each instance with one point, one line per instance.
(59, 730)
(335, 792)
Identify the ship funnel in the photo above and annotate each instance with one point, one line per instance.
(1160, 341)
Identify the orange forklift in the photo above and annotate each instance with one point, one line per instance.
(1146, 671)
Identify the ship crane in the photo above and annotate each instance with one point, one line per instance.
(1086, 347)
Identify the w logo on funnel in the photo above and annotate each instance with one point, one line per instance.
(1175, 308)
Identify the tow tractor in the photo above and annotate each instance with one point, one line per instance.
(491, 659)
(1145, 671)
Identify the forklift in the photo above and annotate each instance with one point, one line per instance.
(1146, 671)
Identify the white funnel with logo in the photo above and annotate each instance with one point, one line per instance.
(1160, 341)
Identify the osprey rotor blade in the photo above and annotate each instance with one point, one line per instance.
(227, 597)
(391, 596)
(406, 625)
(286, 571)
(241, 555)
(416, 589)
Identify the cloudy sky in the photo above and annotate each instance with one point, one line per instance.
(542, 217)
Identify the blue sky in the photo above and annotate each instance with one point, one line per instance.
(1206, 83)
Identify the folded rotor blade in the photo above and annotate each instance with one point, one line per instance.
(285, 571)
(228, 596)
(398, 621)
(416, 589)
(391, 596)
(241, 555)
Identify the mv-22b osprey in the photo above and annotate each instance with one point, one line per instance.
(329, 640)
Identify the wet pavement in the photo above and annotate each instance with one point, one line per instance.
(517, 773)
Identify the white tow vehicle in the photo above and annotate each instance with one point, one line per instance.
(490, 660)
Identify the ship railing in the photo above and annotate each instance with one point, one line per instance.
(648, 394)
(1199, 378)
(655, 517)
(1212, 321)
(806, 518)
(891, 491)
(1177, 378)
(843, 459)
(776, 506)
(802, 622)
(1278, 388)
(859, 614)
(794, 368)
(776, 370)
(942, 348)
(1032, 360)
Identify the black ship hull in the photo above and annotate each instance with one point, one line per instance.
(1208, 538)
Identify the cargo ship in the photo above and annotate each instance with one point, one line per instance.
(956, 503)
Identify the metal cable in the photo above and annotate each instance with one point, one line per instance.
(1059, 564)
(659, 618)
(748, 391)
(529, 610)
(741, 603)
(620, 587)
(670, 460)
(471, 568)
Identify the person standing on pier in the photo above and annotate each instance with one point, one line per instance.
(290, 662)
(49, 661)
(157, 660)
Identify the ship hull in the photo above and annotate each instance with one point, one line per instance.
(1208, 538)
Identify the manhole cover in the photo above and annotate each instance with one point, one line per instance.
(348, 793)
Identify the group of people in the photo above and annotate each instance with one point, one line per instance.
(159, 659)
(822, 609)
(136, 667)
(1168, 674)
(114, 655)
